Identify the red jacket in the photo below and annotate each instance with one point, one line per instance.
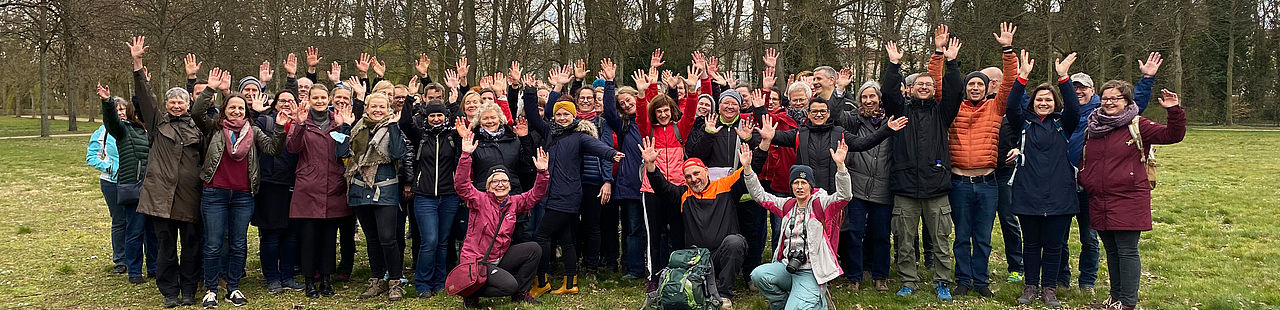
(1115, 177)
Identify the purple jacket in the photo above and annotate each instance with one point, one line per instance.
(1113, 173)
(320, 191)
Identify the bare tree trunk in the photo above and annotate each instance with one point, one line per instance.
(1177, 50)
(1231, 66)
(69, 63)
(44, 73)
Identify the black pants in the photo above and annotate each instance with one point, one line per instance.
(727, 261)
(521, 259)
(406, 214)
(456, 236)
(599, 229)
(752, 220)
(1124, 264)
(1042, 240)
(558, 226)
(316, 244)
(381, 224)
(664, 232)
(178, 273)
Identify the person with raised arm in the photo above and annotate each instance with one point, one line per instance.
(121, 122)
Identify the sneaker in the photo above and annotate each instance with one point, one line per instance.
(274, 287)
(631, 277)
(170, 302)
(1029, 293)
(1051, 298)
(1014, 277)
(944, 291)
(961, 290)
(236, 298)
(985, 292)
(210, 300)
(137, 280)
(120, 269)
(906, 291)
(525, 298)
(290, 283)
(882, 285)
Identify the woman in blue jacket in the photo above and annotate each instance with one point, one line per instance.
(1044, 187)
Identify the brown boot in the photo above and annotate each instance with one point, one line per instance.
(1050, 297)
(376, 287)
(395, 290)
(882, 285)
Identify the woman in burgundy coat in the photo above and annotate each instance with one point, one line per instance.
(1113, 171)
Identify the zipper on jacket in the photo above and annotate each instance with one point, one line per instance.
(437, 179)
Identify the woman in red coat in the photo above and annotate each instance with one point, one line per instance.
(1113, 171)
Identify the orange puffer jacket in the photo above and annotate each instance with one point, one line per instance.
(975, 132)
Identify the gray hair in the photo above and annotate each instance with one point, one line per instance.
(828, 70)
(869, 84)
(808, 90)
(177, 92)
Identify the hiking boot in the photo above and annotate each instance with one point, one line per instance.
(171, 301)
(882, 285)
(471, 302)
(310, 289)
(395, 290)
(188, 300)
(376, 287)
(1014, 277)
(541, 286)
(906, 291)
(1051, 298)
(325, 288)
(944, 291)
(210, 300)
(570, 286)
(1086, 290)
(1029, 293)
(236, 298)
(525, 298)
(291, 284)
(985, 292)
(961, 290)
(137, 280)
(120, 269)
(274, 287)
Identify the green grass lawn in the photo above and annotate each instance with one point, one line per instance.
(20, 126)
(1212, 247)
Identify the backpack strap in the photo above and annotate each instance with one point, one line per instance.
(1137, 138)
(502, 215)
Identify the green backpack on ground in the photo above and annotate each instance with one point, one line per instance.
(686, 283)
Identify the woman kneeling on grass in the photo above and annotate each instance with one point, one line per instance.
(805, 259)
(1113, 171)
(492, 215)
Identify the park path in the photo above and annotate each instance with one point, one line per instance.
(51, 136)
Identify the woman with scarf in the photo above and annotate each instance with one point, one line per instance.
(372, 148)
(319, 202)
(1044, 197)
(1113, 171)
(230, 175)
(568, 140)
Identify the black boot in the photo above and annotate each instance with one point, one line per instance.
(471, 302)
(310, 288)
(325, 288)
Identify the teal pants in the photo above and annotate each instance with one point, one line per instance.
(786, 290)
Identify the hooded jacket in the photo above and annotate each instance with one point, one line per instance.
(101, 154)
(822, 222)
(814, 142)
(1141, 96)
(1116, 178)
(436, 155)
(1043, 181)
(172, 187)
(920, 160)
(483, 213)
(566, 150)
(320, 191)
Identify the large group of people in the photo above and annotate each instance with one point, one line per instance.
(792, 187)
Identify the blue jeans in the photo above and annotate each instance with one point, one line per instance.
(633, 229)
(973, 209)
(118, 215)
(1010, 228)
(434, 216)
(865, 232)
(278, 250)
(139, 242)
(226, 215)
(1088, 249)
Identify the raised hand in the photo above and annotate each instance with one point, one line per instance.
(522, 127)
(655, 60)
(464, 131)
(580, 69)
(313, 57)
(769, 78)
(1152, 65)
(895, 54)
(463, 68)
(953, 49)
(362, 64)
(940, 36)
(1005, 37)
(744, 129)
(767, 128)
(669, 79)
(757, 97)
(451, 80)
(514, 73)
(344, 110)
(379, 67)
(531, 81)
(421, 64)
(215, 78)
(103, 91)
(1063, 66)
(608, 69)
(711, 126)
(1025, 64)
(291, 65)
(259, 102)
(191, 66)
(357, 87)
(486, 82)
(771, 58)
(500, 82)
(541, 161)
(641, 79)
(1169, 100)
(468, 141)
(414, 85)
(844, 78)
(713, 64)
(557, 77)
(282, 116)
(839, 153)
(897, 124)
(265, 72)
(137, 47)
(335, 73)
(744, 155)
(146, 73)
(694, 73)
(648, 150)
(699, 60)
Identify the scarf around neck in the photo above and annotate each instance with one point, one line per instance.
(369, 148)
(238, 137)
(875, 116)
(798, 115)
(1100, 123)
(588, 116)
(320, 117)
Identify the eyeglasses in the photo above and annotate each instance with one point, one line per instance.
(819, 111)
(286, 100)
(923, 84)
(498, 182)
(1112, 99)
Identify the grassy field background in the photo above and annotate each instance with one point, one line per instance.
(1212, 248)
(20, 126)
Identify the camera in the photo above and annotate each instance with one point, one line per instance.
(796, 259)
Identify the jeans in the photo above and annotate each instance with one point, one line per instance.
(434, 216)
(1010, 229)
(973, 209)
(118, 221)
(634, 232)
(1043, 240)
(865, 232)
(1123, 263)
(907, 213)
(139, 242)
(226, 215)
(278, 251)
(751, 220)
(786, 290)
(177, 273)
(1088, 249)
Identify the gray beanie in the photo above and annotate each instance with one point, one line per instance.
(732, 93)
(249, 79)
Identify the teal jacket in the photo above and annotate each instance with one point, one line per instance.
(101, 154)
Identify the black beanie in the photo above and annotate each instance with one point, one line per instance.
(802, 172)
(977, 74)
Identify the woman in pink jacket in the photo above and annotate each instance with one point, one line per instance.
(492, 215)
(1113, 171)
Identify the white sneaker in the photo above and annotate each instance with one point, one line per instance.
(237, 299)
(210, 300)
